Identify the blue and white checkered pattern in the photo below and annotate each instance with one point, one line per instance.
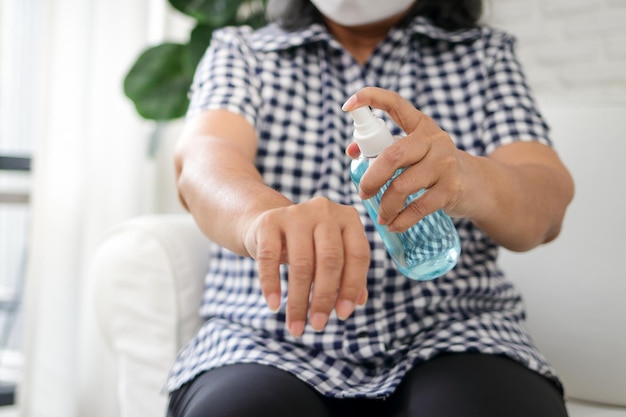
(291, 86)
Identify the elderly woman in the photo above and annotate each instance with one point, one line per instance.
(305, 313)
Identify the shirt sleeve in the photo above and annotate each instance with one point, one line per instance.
(226, 77)
(510, 109)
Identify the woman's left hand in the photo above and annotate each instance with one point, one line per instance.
(428, 155)
(518, 194)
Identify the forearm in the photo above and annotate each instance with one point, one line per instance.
(519, 204)
(220, 186)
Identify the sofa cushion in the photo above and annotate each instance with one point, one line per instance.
(149, 278)
(575, 287)
(582, 409)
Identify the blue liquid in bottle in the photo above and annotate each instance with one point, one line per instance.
(431, 247)
(427, 250)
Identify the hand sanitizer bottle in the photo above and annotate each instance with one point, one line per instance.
(431, 247)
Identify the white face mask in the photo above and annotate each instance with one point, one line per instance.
(360, 12)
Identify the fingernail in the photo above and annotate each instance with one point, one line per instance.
(349, 103)
(318, 321)
(363, 297)
(296, 328)
(344, 309)
(273, 302)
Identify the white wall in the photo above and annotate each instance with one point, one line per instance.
(572, 50)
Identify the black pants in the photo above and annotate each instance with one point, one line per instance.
(455, 385)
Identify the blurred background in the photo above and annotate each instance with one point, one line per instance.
(76, 158)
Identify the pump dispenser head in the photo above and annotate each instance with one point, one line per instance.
(370, 132)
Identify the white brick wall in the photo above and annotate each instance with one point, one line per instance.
(571, 50)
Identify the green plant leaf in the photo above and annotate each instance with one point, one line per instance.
(198, 43)
(216, 13)
(159, 80)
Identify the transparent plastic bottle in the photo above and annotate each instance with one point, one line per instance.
(431, 247)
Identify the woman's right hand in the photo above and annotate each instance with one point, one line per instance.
(328, 255)
(322, 242)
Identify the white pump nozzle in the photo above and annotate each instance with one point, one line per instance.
(362, 115)
(370, 132)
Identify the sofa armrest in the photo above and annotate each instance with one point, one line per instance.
(148, 276)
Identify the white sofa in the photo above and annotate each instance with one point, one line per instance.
(148, 274)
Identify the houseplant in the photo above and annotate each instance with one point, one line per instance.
(159, 79)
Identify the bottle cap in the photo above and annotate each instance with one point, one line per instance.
(370, 132)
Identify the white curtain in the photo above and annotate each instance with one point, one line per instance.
(91, 171)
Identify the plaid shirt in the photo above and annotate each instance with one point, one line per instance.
(290, 86)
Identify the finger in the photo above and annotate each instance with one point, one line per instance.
(353, 150)
(362, 300)
(429, 202)
(409, 182)
(268, 256)
(435, 174)
(404, 153)
(353, 291)
(300, 255)
(329, 263)
(399, 109)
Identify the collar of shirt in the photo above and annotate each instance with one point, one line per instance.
(274, 38)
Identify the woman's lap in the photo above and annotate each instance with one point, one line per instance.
(246, 390)
(468, 385)
(472, 385)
